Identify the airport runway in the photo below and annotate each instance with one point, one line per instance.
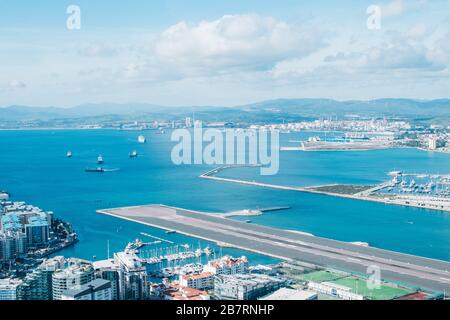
(402, 268)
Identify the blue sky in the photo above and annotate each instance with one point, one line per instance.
(198, 52)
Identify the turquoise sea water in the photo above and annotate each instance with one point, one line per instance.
(34, 168)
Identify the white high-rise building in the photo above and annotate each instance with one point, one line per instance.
(109, 270)
(133, 275)
(38, 284)
(188, 122)
(77, 273)
(10, 289)
(432, 142)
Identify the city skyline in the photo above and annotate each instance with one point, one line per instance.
(178, 54)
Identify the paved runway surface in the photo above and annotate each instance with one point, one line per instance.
(412, 270)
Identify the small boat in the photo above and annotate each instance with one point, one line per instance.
(209, 251)
(69, 154)
(133, 154)
(100, 159)
(4, 196)
(99, 169)
(141, 139)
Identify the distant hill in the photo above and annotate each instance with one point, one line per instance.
(380, 107)
(265, 111)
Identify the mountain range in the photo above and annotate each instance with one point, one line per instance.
(271, 110)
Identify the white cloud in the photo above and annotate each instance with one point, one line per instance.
(395, 55)
(440, 52)
(418, 31)
(98, 50)
(233, 41)
(17, 84)
(235, 59)
(393, 8)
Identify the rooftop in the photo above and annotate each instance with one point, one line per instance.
(197, 276)
(9, 284)
(291, 294)
(228, 261)
(177, 292)
(95, 285)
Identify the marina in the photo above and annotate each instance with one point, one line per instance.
(167, 262)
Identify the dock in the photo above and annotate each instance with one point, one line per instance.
(290, 246)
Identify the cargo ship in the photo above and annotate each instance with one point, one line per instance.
(94, 170)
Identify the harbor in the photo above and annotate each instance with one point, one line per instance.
(291, 246)
(152, 179)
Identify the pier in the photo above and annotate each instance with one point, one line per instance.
(433, 203)
(292, 246)
(252, 213)
(156, 238)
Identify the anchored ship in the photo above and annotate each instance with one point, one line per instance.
(141, 139)
(133, 154)
(99, 169)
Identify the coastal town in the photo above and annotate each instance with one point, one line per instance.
(31, 269)
(346, 134)
(28, 235)
(129, 275)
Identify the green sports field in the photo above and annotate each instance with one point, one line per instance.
(320, 276)
(359, 286)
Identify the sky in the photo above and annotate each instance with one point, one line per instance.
(222, 53)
